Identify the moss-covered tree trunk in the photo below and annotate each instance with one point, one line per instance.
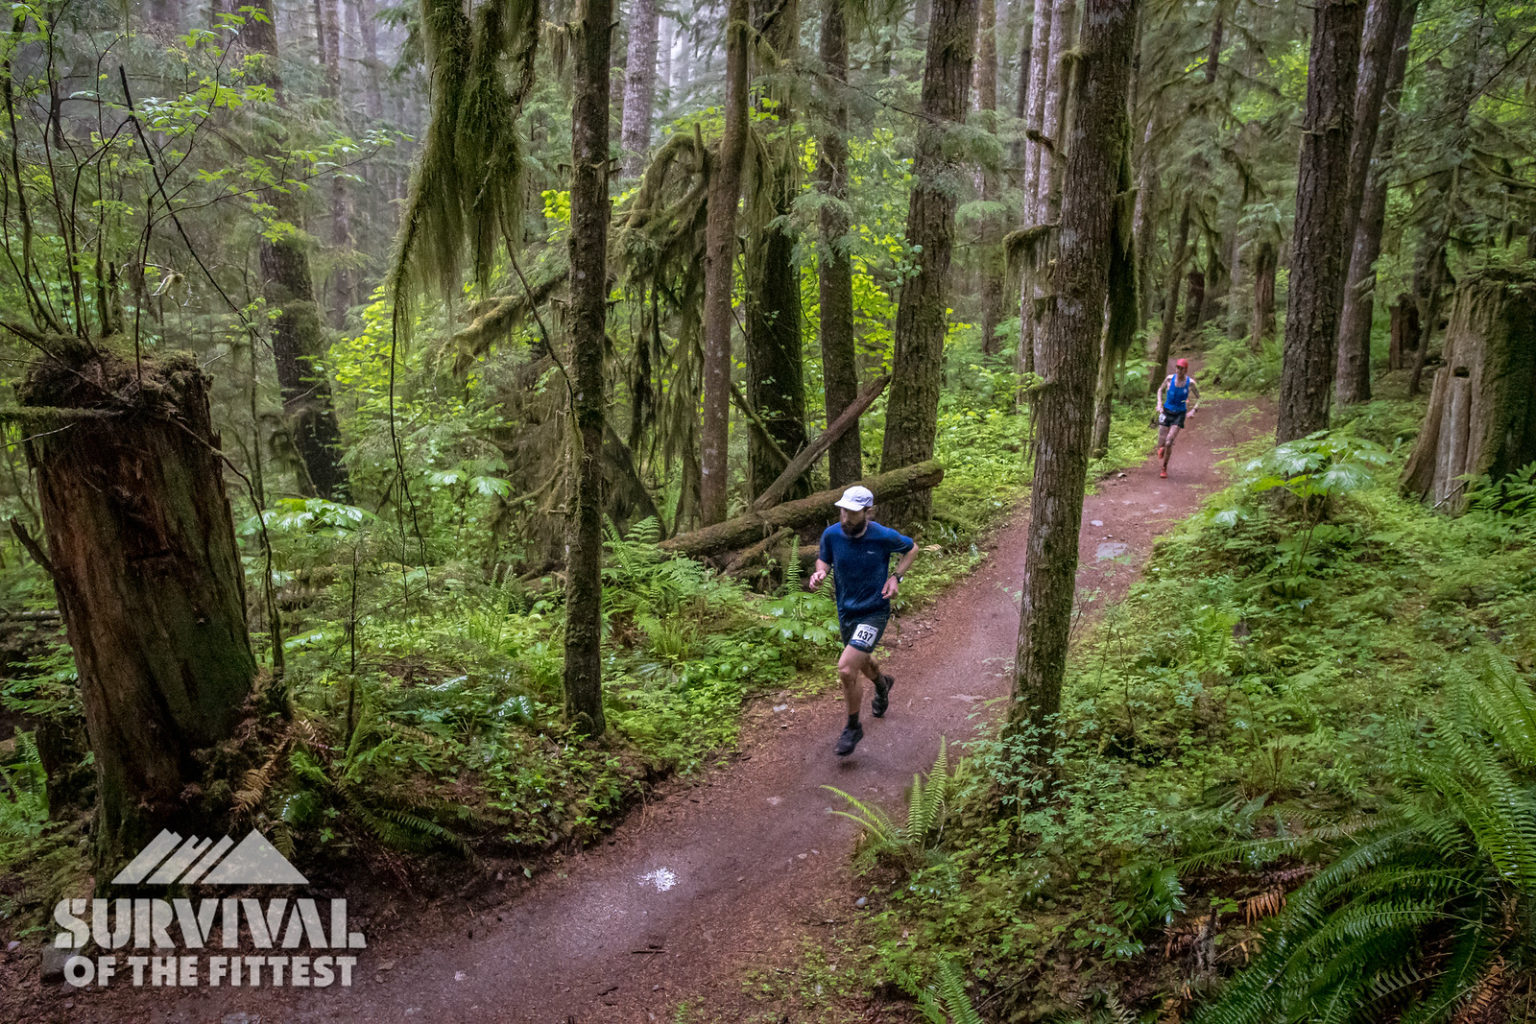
(719, 266)
(775, 375)
(840, 375)
(1122, 305)
(589, 318)
(912, 417)
(1318, 265)
(1482, 404)
(1069, 361)
(298, 340)
(149, 581)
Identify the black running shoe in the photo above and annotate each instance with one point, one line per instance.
(882, 695)
(849, 739)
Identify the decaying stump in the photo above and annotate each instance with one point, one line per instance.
(1482, 405)
(147, 573)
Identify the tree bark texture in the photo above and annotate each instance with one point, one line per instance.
(746, 529)
(1482, 405)
(1382, 68)
(1318, 266)
(1159, 364)
(588, 243)
(911, 418)
(775, 373)
(991, 235)
(1021, 111)
(1266, 263)
(719, 260)
(298, 341)
(1053, 153)
(1069, 356)
(148, 579)
(639, 87)
(840, 375)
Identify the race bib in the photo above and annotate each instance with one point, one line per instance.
(864, 634)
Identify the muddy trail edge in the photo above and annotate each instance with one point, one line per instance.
(727, 872)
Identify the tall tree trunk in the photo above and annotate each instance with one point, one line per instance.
(588, 244)
(991, 239)
(911, 418)
(298, 342)
(1266, 263)
(1121, 305)
(148, 579)
(1388, 31)
(840, 376)
(1431, 270)
(1317, 267)
(1142, 217)
(1021, 111)
(298, 333)
(1053, 152)
(1069, 358)
(1159, 364)
(775, 377)
(343, 289)
(639, 87)
(364, 15)
(719, 260)
(1039, 59)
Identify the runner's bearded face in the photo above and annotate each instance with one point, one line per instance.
(853, 521)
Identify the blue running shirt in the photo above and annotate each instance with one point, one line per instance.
(1177, 397)
(863, 563)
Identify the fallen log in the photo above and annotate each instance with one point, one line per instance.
(744, 530)
(743, 559)
(811, 452)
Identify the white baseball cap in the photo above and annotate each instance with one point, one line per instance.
(856, 499)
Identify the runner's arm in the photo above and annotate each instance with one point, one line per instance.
(1161, 388)
(1194, 392)
(822, 568)
(906, 561)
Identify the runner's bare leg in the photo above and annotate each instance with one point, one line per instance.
(851, 669)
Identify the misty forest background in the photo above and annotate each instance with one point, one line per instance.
(418, 419)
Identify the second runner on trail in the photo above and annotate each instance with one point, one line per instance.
(860, 551)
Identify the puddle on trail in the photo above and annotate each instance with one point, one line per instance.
(1112, 549)
(662, 879)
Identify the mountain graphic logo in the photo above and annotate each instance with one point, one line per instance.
(168, 859)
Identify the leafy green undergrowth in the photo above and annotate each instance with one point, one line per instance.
(1299, 675)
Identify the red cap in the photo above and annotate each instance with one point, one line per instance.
(1182, 364)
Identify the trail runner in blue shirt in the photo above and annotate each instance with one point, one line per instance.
(1172, 406)
(860, 549)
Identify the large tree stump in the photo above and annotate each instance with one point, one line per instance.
(148, 577)
(1482, 405)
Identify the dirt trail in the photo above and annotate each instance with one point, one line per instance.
(726, 873)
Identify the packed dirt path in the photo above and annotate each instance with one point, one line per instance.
(721, 875)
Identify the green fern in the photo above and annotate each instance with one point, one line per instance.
(1412, 921)
(925, 814)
